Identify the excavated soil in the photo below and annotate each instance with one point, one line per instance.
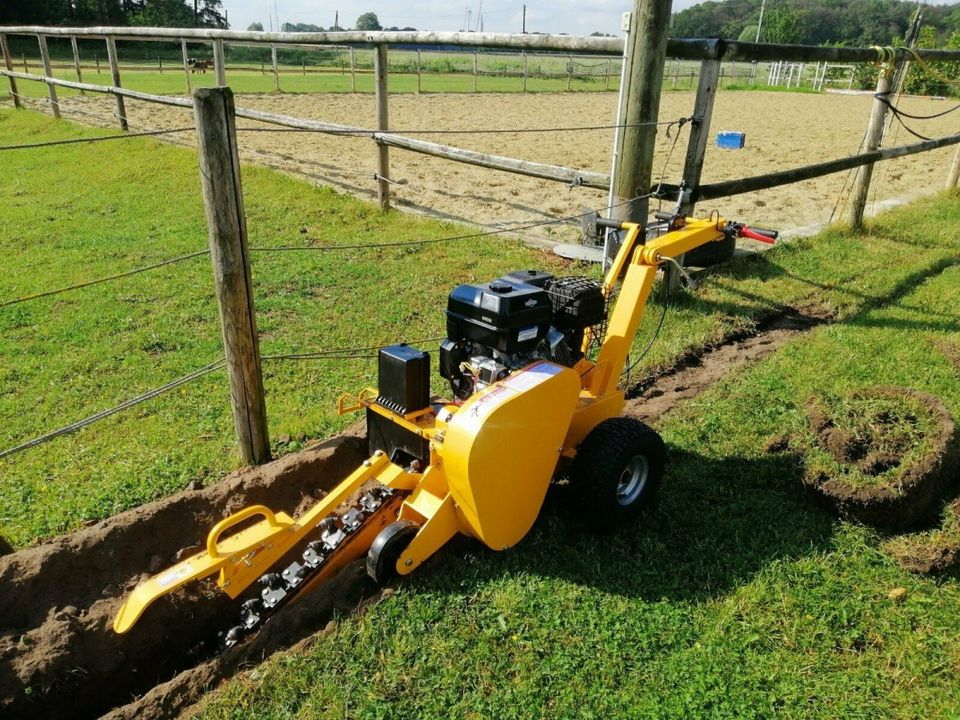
(695, 371)
(950, 350)
(930, 552)
(908, 495)
(782, 131)
(59, 657)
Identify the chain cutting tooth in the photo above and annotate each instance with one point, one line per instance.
(250, 613)
(332, 534)
(294, 574)
(352, 519)
(313, 556)
(273, 592)
(370, 502)
(233, 636)
(278, 587)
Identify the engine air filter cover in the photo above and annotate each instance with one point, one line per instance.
(502, 315)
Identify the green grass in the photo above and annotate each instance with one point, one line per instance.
(740, 599)
(292, 80)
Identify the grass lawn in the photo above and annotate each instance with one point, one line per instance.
(740, 598)
(292, 80)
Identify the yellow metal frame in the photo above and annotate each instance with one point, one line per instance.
(487, 476)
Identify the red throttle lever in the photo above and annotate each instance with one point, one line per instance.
(760, 234)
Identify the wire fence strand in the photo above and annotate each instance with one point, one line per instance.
(89, 283)
(103, 138)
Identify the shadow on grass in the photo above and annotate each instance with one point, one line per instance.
(719, 522)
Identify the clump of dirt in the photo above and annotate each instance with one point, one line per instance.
(931, 551)
(949, 349)
(59, 656)
(882, 455)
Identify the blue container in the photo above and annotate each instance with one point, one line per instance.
(731, 140)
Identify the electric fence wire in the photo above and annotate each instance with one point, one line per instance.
(451, 238)
(363, 353)
(104, 138)
(362, 132)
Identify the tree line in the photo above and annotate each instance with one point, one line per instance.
(856, 23)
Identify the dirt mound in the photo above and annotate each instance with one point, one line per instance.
(951, 350)
(933, 551)
(59, 656)
(882, 455)
(696, 370)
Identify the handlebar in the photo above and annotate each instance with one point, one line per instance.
(763, 235)
(737, 229)
(608, 223)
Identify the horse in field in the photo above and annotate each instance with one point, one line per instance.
(199, 65)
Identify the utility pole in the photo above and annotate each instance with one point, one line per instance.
(763, 4)
(524, 19)
(646, 46)
(336, 20)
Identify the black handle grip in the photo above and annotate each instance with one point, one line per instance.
(663, 216)
(608, 223)
(766, 232)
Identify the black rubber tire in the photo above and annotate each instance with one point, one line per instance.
(387, 548)
(604, 494)
(711, 253)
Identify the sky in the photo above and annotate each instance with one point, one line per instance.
(575, 17)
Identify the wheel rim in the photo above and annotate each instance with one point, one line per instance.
(633, 480)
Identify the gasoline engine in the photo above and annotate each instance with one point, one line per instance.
(505, 325)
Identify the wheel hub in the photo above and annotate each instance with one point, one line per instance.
(633, 480)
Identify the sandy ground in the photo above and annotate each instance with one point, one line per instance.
(782, 131)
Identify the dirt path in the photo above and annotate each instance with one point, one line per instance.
(783, 130)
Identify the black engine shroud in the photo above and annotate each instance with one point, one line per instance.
(526, 315)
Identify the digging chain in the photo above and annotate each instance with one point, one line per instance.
(278, 588)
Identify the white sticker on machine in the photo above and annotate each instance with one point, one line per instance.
(174, 575)
(532, 376)
(478, 409)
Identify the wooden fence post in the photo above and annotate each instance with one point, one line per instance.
(861, 186)
(710, 73)
(8, 63)
(476, 62)
(219, 63)
(954, 176)
(26, 68)
(606, 81)
(419, 79)
(383, 152)
(229, 254)
(160, 63)
(525, 70)
(645, 58)
(569, 71)
(276, 68)
(96, 59)
(76, 60)
(115, 73)
(48, 71)
(186, 64)
(353, 70)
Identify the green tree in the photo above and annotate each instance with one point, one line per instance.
(748, 34)
(929, 78)
(255, 27)
(783, 25)
(368, 21)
